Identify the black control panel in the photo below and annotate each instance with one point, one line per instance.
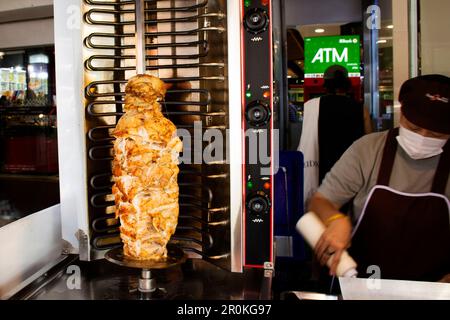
(257, 114)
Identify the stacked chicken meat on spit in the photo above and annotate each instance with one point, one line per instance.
(145, 170)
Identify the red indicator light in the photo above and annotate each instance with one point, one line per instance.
(267, 185)
(266, 94)
(264, 2)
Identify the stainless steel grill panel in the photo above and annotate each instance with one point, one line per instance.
(186, 47)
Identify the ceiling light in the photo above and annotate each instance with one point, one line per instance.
(391, 26)
(382, 41)
(319, 30)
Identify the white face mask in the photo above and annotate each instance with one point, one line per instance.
(418, 146)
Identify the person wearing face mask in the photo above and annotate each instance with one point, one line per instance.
(399, 181)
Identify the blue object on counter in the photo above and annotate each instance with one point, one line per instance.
(295, 113)
(288, 206)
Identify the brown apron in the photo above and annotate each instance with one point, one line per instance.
(406, 235)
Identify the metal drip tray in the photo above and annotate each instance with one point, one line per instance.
(175, 256)
(147, 282)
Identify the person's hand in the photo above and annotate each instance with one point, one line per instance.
(335, 239)
(445, 279)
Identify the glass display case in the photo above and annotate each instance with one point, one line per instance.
(28, 133)
(28, 140)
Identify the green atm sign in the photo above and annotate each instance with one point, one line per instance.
(323, 52)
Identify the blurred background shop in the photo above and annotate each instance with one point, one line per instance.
(410, 41)
(28, 142)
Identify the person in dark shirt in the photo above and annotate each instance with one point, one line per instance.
(342, 120)
(331, 124)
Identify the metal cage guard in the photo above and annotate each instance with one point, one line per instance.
(114, 55)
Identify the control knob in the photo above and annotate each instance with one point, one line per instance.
(256, 20)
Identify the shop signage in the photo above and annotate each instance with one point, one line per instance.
(323, 52)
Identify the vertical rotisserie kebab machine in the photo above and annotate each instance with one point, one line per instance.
(217, 57)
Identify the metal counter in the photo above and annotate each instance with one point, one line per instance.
(100, 280)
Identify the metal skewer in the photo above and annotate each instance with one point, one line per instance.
(140, 37)
(147, 283)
